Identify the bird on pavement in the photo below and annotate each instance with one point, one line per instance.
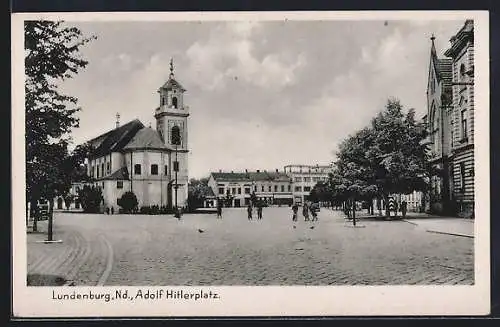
(312, 227)
(200, 230)
(294, 226)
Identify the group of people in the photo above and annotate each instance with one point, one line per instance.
(250, 211)
(306, 208)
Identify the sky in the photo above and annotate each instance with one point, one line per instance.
(262, 94)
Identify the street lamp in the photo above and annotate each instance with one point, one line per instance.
(176, 140)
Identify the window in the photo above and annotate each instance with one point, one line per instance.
(269, 188)
(174, 102)
(262, 188)
(282, 188)
(102, 169)
(463, 119)
(298, 179)
(154, 169)
(239, 190)
(221, 190)
(307, 179)
(307, 188)
(275, 188)
(234, 190)
(298, 189)
(162, 101)
(176, 165)
(462, 71)
(433, 85)
(462, 177)
(175, 135)
(97, 171)
(137, 169)
(108, 168)
(289, 188)
(119, 184)
(166, 170)
(247, 190)
(255, 188)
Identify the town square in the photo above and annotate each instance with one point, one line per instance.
(247, 153)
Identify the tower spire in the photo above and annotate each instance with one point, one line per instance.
(171, 68)
(433, 47)
(117, 119)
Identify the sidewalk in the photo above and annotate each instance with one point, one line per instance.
(433, 224)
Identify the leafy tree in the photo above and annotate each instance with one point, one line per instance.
(128, 202)
(198, 190)
(90, 198)
(384, 158)
(51, 56)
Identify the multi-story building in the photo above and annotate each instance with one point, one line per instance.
(439, 109)
(461, 53)
(304, 178)
(293, 185)
(236, 189)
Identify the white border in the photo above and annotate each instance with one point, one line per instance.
(266, 301)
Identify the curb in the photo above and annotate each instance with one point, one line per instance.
(448, 233)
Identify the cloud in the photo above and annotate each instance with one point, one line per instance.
(228, 55)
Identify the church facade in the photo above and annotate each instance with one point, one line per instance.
(151, 163)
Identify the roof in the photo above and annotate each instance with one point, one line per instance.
(121, 173)
(145, 138)
(251, 176)
(171, 84)
(115, 139)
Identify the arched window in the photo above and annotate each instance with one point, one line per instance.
(162, 101)
(174, 102)
(175, 137)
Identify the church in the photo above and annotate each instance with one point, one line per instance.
(152, 163)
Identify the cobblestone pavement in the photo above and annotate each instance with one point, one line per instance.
(159, 250)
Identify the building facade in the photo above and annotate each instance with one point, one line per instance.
(153, 164)
(461, 52)
(305, 177)
(439, 110)
(236, 189)
(292, 185)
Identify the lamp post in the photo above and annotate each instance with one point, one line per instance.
(176, 140)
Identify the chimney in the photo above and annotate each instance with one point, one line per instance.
(220, 170)
(246, 170)
(276, 169)
(117, 119)
(232, 172)
(258, 170)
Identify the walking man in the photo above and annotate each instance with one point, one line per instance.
(249, 211)
(305, 212)
(219, 209)
(295, 209)
(259, 211)
(403, 208)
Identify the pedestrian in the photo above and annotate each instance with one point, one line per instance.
(395, 209)
(249, 211)
(259, 211)
(305, 212)
(112, 210)
(295, 209)
(403, 208)
(313, 212)
(219, 209)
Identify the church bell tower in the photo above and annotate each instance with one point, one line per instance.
(171, 123)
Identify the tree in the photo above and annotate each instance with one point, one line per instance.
(198, 191)
(398, 152)
(51, 56)
(128, 202)
(90, 198)
(384, 158)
